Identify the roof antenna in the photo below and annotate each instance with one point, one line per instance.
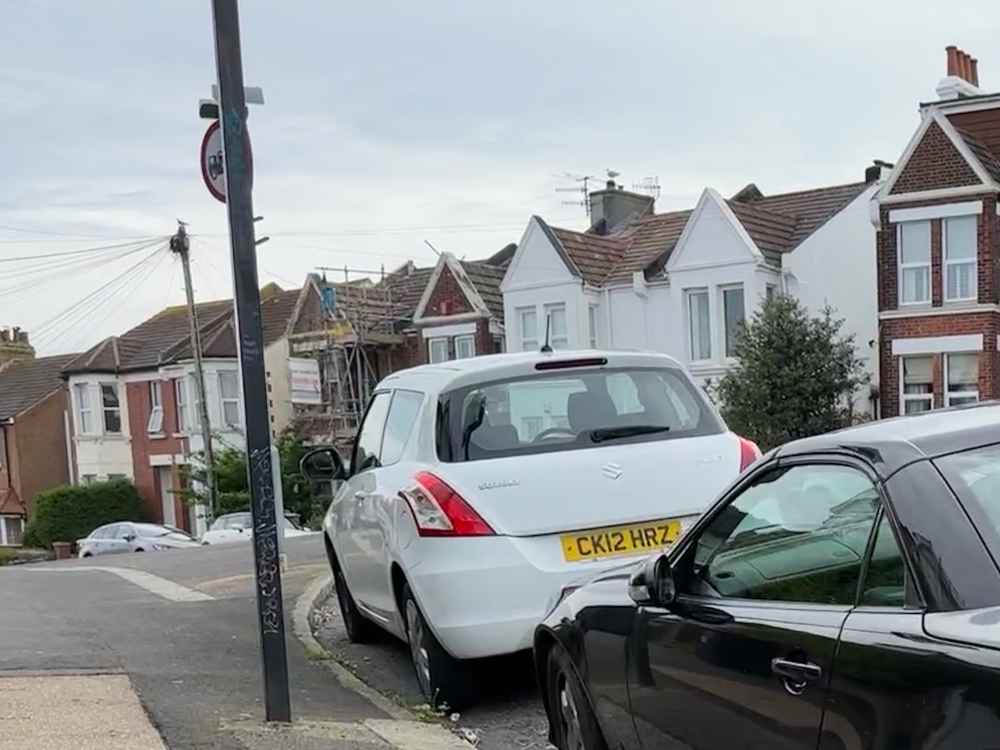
(547, 347)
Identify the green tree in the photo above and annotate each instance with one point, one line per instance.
(795, 375)
(231, 480)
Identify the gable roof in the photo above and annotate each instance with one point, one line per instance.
(26, 382)
(776, 224)
(165, 337)
(10, 502)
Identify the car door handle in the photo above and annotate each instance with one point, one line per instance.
(359, 495)
(796, 670)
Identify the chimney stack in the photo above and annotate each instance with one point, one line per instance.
(14, 345)
(962, 74)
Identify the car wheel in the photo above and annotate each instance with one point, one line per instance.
(444, 680)
(574, 726)
(359, 630)
(139, 549)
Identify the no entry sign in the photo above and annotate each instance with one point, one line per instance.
(213, 162)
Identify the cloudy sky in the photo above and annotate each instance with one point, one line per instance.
(388, 124)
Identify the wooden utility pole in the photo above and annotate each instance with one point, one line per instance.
(180, 244)
(250, 340)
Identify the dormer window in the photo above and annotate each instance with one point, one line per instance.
(914, 262)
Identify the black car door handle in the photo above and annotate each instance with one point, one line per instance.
(797, 670)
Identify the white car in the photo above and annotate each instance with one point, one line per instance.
(482, 490)
(238, 527)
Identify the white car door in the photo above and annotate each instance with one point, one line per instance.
(353, 509)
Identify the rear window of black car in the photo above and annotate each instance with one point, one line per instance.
(570, 410)
(975, 477)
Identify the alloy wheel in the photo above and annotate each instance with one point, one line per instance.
(569, 716)
(418, 652)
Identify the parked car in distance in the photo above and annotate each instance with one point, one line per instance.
(479, 489)
(238, 527)
(844, 592)
(114, 538)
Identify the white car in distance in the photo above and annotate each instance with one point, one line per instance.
(480, 491)
(238, 527)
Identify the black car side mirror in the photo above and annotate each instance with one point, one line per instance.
(653, 583)
(323, 465)
(129, 537)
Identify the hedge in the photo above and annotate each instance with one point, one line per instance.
(68, 513)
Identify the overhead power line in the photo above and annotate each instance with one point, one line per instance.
(50, 233)
(84, 251)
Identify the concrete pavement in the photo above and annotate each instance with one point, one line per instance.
(193, 661)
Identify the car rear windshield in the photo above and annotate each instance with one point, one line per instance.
(570, 410)
(975, 477)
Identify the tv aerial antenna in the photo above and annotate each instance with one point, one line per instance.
(582, 187)
(647, 185)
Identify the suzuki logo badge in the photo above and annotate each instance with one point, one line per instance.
(611, 471)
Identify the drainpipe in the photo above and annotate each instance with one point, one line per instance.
(611, 328)
(70, 463)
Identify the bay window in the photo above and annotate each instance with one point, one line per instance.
(84, 413)
(961, 377)
(699, 325)
(917, 384)
(111, 407)
(229, 396)
(183, 407)
(733, 314)
(592, 325)
(155, 423)
(528, 320)
(914, 262)
(960, 258)
(465, 346)
(437, 350)
(555, 316)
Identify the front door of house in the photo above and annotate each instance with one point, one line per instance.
(167, 498)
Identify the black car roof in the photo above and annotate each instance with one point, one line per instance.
(890, 444)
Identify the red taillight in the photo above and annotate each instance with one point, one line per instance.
(440, 511)
(749, 452)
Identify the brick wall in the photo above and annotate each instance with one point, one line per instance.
(40, 444)
(144, 445)
(935, 164)
(985, 323)
(447, 298)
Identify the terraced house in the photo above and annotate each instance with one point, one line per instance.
(939, 252)
(682, 282)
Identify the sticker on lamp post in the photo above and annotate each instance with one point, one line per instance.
(213, 162)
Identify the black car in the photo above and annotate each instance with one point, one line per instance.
(843, 593)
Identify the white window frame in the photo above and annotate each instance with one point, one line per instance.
(4, 541)
(465, 339)
(183, 407)
(946, 372)
(689, 320)
(84, 411)
(531, 343)
(230, 400)
(106, 409)
(900, 266)
(154, 424)
(950, 264)
(556, 342)
(438, 341)
(592, 326)
(723, 288)
(904, 397)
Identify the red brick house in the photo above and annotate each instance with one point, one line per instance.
(938, 250)
(452, 310)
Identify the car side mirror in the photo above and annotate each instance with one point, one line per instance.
(653, 583)
(323, 465)
(129, 537)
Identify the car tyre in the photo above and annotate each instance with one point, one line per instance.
(574, 726)
(359, 630)
(444, 680)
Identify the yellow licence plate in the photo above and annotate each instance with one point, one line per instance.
(615, 541)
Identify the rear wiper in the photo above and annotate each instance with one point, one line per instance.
(610, 433)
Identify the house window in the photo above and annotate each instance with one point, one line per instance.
(11, 531)
(183, 409)
(733, 314)
(85, 416)
(528, 318)
(438, 348)
(592, 325)
(699, 325)
(961, 379)
(918, 384)
(155, 423)
(112, 408)
(769, 292)
(960, 258)
(465, 346)
(229, 394)
(914, 262)
(555, 316)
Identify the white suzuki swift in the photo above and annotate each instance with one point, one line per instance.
(480, 491)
